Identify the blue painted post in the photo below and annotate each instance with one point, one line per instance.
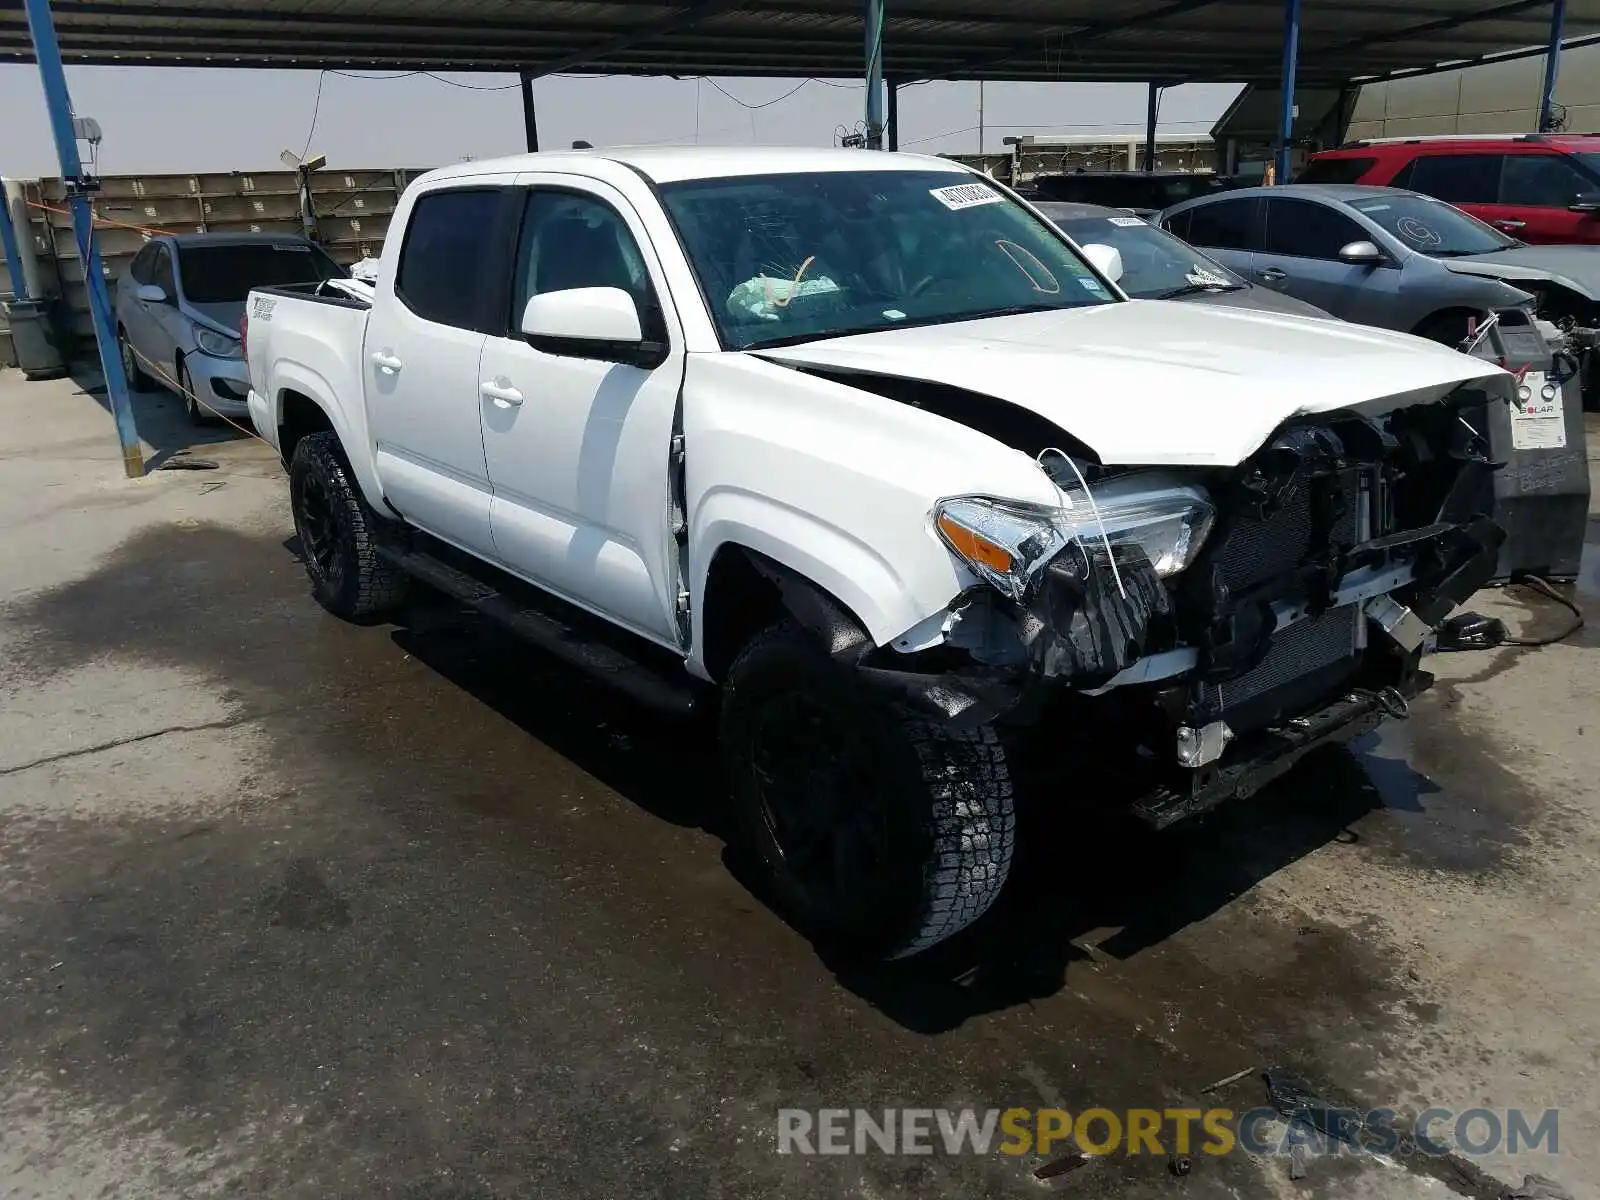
(59, 103)
(1552, 65)
(8, 238)
(1291, 56)
(1151, 108)
(874, 24)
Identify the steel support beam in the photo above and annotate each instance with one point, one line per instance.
(1151, 108)
(874, 71)
(530, 120)
(1552, 65)
(58, 101)
(1291, 57)
(8, 241)
(1047, 36)
(892, 129)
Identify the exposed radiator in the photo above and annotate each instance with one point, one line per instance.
(1258, 550)
(1296, 651)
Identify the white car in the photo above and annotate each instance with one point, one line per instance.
(861, 449)
(178, 307)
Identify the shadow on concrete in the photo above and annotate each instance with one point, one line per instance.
(159, 414)
(1086, 882)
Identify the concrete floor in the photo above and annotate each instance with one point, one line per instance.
(293, 908)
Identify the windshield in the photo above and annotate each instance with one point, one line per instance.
(223, 274)
(1431, 226)
(792, 258)
(1155, 264)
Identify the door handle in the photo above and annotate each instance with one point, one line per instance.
(385, 361)
(1509, 226)
(1272, 274)
(503, 395)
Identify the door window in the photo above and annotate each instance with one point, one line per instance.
(444, 275)
(1306, 229)
(1336, 170)
(1458, 178)
(572, 240)
(161, 274)
(1225, 225)
(1542, 181)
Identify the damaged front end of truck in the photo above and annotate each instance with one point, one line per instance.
(1196, 631)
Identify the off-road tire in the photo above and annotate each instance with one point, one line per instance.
(348, 577)
(946, 802)
(138, 381)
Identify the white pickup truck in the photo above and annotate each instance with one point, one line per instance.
(860, 450)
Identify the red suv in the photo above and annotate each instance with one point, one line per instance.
(1537, 187)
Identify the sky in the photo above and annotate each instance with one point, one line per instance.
(194, 119)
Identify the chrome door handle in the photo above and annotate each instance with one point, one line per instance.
(1272, 274)
(385, 361)
(504, 395)
(1509, 225)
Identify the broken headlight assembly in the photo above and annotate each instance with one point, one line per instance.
(1007, 543)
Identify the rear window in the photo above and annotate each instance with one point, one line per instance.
(1336, 170)
(224, 274)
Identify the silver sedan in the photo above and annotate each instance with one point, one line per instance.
(178, 308)
(1376, 256)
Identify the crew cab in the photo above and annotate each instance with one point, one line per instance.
(862, 454)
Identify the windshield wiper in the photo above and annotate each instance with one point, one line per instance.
(1194, 289)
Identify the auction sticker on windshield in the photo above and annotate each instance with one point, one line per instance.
(965, 195)
(1538, 421)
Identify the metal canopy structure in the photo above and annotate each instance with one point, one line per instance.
(1172, 41)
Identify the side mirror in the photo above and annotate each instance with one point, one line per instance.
(1585, 202)
(1106, 259)
(1361, 254)
(151, 293)
(596, 322)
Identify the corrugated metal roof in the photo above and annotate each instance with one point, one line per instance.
(1168, 40)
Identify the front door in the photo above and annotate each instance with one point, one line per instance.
(578, 448)
(420, 361)
(1301, 258)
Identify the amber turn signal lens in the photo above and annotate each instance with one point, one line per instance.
(974, 547)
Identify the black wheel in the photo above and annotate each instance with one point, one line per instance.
(197, 414)
(138, 381)
(334, 525)
(877, 832)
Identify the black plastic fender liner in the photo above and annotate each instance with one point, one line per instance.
(957, 698)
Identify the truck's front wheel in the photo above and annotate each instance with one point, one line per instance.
(877, 831)
(334, 525)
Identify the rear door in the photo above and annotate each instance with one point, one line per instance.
(1229, 229)
(1301, 259)
(1536, 188)
(424, 340)
(1470, 180)
(579, 448)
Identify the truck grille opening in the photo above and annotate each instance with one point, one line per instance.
(1257, 550)
(1308, 647)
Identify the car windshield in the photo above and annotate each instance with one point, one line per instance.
(798, 257)
(1431, 226)
(1155, 264)
(222, 274)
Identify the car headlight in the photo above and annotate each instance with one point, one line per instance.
(218, 345)
(1007, 543)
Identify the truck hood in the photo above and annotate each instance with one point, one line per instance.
(1575, 267)
(1152, 382)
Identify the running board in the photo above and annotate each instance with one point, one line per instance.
(597, 657)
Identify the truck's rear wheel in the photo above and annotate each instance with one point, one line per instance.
(334, 525)
(877, 832)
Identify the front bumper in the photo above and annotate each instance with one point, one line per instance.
(220, 384)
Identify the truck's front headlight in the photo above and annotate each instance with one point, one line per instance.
(1008, 543)
(218, 345)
